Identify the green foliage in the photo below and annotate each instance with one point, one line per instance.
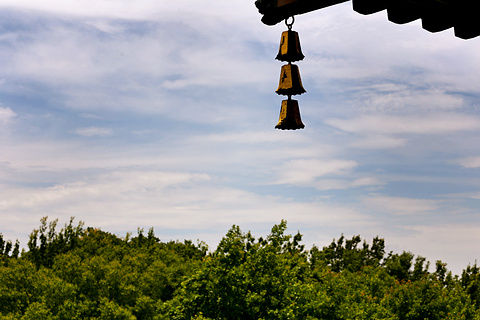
(17, 286)
(52, 243)
(37, 310)
(79, 273)
(247, 279)
(6, 249)
(399, 265)
(428, 299)
(347, 255)
(470, 282)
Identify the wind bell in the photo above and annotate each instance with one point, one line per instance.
(290, 82)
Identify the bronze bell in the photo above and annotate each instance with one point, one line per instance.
(290, 49)
(290, 116)
(290, 83)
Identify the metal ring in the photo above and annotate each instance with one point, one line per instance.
(290, 25)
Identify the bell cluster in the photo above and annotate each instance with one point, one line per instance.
(290, 82)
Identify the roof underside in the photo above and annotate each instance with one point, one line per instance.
(436, 15)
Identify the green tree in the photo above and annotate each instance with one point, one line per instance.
(248, 279)
(45, 243)
(420, 269)
(6, 247)
(17, 286)
(399, 265)
(470, 281)
(78, 273)
(36, 311)
(109, 310)
(428, 299)
(347, 254)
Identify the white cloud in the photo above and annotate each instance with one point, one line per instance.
(346, 183)
(65, 56)
(138, 66)
(400, 205)
(144, 9)
(306, 171)
(475, 195)
(104, 187)
(425, 124)
(94, 132)
(454, 243)
(366, 181)
(341, 44)
(470, 162)
(106, 8)
(402, 99)
(379, 142)
(6, 115)
(119, 201)
(252, 137)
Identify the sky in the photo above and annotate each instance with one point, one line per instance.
(139, 114)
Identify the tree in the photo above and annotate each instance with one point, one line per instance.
(17, 286)
(6, 247)
(470, 281)
(52, 243)
(346, 254)
(398, 265)
(246, 278)
(428, 299)
(88, 273)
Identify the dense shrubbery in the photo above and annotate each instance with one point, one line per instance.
(86, 273)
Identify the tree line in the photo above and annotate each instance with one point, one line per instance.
(87, 273)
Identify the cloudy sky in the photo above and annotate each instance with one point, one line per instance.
(139, 114)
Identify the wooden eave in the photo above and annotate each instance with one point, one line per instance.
(436, 15)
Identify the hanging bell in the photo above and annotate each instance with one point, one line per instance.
(290, 49)
(290, 83)
(290, 116)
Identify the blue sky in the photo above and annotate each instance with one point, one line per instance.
(162, 113)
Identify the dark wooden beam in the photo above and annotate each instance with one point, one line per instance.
(275, 11)
(436, 15)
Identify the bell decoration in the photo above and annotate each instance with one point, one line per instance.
(289, 116)
(290, 83)
(290, 49)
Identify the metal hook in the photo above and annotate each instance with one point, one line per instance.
(290, 25)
